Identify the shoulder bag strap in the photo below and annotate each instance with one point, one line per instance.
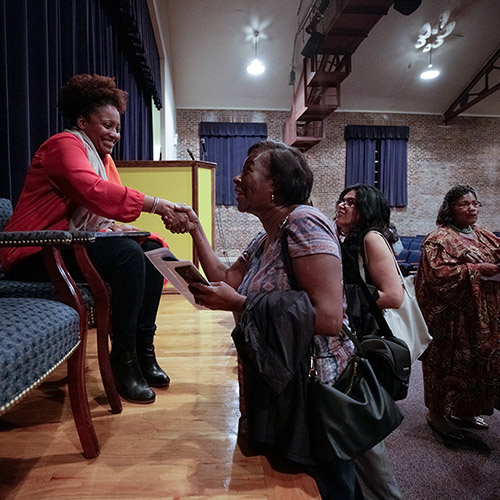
(287, 260)
(403, 281)
(293, 283)
(374, 309)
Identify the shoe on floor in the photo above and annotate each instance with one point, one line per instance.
(472, 422)
(444, 430)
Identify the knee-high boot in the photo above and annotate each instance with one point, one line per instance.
(129, 379)
(150, 368)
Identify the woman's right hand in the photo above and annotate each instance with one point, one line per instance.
(187, 214)
(487, 269)
(174, 220)
(218, 296)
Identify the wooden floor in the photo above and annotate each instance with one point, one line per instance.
(181, 447)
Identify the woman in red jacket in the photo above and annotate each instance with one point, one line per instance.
(72, 184)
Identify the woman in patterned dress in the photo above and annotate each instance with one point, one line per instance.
(460, 303)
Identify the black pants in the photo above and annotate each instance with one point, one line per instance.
(135, 283)
(336, 481)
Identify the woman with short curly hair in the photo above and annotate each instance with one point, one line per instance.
(73, 184)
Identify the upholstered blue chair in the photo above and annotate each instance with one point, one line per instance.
(403, 255)
(96, 297)
(37, 335)
(406, 240)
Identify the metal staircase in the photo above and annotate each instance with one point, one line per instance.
(317, 94)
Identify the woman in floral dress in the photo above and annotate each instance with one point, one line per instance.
(459, 293)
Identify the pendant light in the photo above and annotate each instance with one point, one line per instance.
(429, 73)
(256, 67)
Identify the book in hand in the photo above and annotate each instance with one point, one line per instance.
(180, 273)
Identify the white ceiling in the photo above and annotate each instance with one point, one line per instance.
(211, 43)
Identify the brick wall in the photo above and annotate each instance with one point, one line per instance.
(439, 156)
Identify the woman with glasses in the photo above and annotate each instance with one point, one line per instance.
(363, 216)
(459, 293)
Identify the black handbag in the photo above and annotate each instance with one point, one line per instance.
(389, 356)
(353, 415)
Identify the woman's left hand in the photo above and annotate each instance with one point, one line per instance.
(219, 295)
(120, 227)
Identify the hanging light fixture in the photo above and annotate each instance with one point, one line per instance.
(256, 67)
(431, 37)
(429, 73)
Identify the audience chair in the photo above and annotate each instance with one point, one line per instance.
(413, 257)
(403, 255)
(406, 240)
(415, 244)
(37, 335)
(96, 296)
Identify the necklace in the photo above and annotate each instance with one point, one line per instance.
(282, 225)
(460, 230)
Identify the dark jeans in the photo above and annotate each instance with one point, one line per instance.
(336, 480)
(135, 283)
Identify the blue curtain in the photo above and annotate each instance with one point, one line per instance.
(42, 44)
(360, 159)
(393, 171)
(227, 144)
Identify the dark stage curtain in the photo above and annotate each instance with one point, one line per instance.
(360, 159)
(45, 42)
(227, 144)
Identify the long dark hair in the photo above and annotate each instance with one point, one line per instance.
(444, 216)
(374, 215)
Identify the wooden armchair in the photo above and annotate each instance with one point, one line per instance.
(96, 297)
(37, 335)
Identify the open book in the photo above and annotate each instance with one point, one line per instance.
(178, 272)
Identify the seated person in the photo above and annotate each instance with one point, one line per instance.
(72, 184)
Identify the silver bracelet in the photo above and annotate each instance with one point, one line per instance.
(154, 206)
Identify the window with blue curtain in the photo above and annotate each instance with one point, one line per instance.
(227, 144)
(377, 155)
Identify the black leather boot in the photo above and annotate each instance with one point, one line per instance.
(150, 368)
(129, 380)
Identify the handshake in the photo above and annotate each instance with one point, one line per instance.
(179, 218)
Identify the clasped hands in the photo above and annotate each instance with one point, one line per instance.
(179, 218)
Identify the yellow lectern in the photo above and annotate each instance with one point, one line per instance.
(191, 182)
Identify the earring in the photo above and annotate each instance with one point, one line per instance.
(272, 197)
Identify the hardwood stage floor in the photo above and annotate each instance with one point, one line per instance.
(181, 447)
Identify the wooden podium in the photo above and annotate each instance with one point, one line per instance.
(191, 182)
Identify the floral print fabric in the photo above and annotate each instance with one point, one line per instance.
(461, 366)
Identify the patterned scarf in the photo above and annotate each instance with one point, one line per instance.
(82, 219)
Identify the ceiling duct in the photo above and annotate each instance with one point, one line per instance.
(407, 7)
(316, 39)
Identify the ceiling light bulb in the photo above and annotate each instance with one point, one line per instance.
(429, 73)
(255, 67)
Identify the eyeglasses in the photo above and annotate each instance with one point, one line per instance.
(464, 205)
(350, 202)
